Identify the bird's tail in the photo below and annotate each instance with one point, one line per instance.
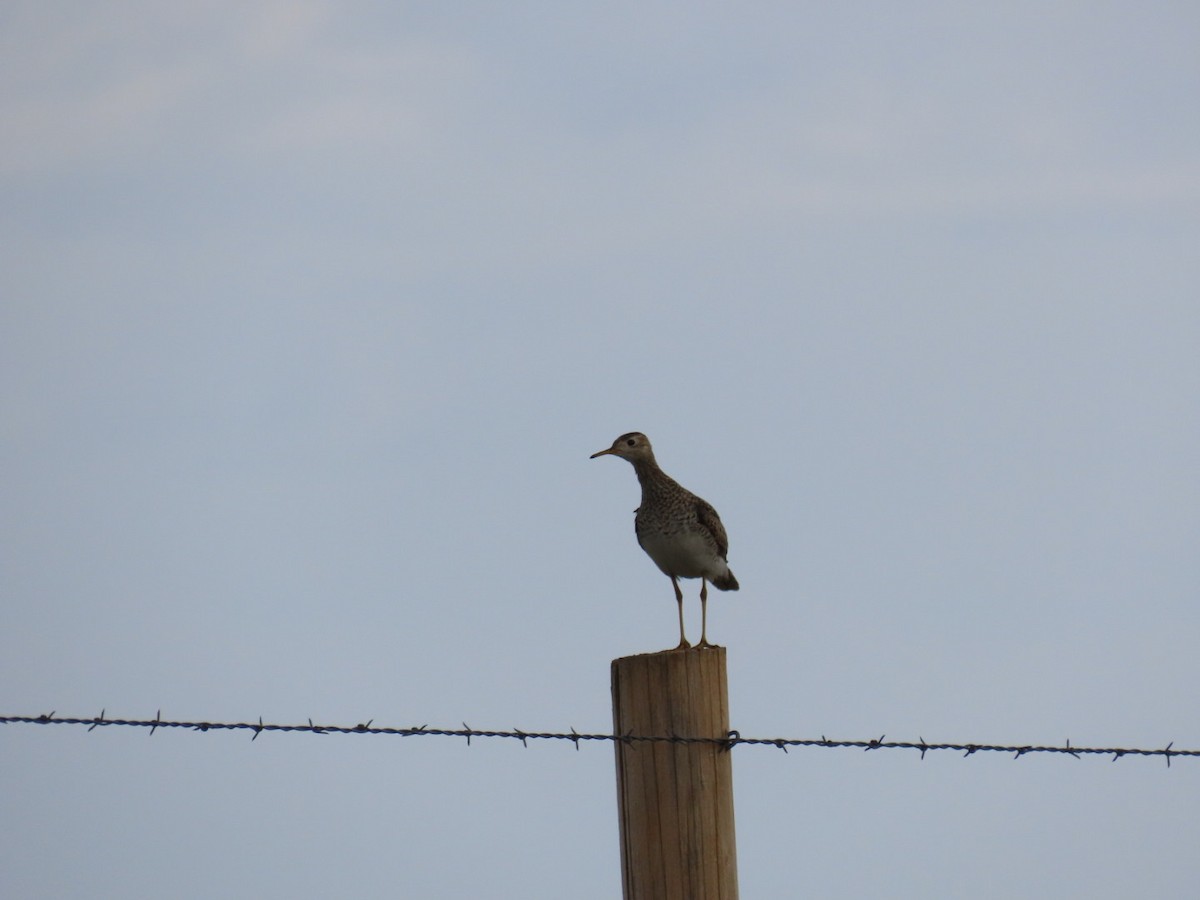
(726, 582)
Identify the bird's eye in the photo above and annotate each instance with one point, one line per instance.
(630, 442)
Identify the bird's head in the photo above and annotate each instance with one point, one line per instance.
(632, 446)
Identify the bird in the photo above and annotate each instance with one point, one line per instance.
(679, 531)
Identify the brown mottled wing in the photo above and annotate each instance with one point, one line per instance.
(712, 522)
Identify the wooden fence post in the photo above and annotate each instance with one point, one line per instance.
(674, 801)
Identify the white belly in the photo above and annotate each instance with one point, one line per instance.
(685, 555)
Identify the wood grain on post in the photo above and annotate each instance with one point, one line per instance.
(675, 801)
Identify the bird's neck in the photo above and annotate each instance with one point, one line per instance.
(652, 479)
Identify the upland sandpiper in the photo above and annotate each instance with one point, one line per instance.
(680, 532)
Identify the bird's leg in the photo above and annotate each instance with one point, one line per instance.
(704, 615)
(683, 641)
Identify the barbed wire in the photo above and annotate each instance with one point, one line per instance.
(728, 742)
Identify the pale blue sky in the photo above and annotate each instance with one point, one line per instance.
(312, 314)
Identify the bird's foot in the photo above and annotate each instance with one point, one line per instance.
(684, 644)
(705, 645)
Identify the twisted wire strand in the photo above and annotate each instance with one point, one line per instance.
(728, 742)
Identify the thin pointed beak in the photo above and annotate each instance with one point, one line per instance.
(601, 453)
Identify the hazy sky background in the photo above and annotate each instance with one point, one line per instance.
(312, 314)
